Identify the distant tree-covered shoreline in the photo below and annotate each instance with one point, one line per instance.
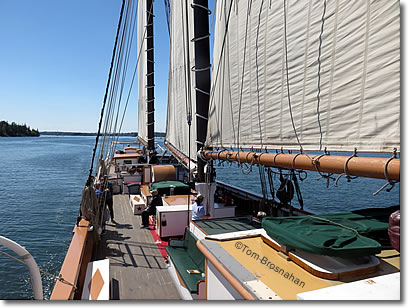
(16, 130)
(59, 133)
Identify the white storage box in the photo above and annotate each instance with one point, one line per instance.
(137, 204)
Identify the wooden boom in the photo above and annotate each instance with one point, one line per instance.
(380, 168)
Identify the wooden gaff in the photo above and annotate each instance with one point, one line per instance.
(371, 167)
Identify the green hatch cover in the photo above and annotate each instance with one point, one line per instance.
(337, 235)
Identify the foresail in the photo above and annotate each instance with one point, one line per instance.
(142, 69)
(181, 98)
(308, 74)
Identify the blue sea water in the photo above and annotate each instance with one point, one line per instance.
(41, 180)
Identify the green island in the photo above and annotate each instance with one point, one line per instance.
(16, 130)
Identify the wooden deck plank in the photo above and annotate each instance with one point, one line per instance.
(137, 268)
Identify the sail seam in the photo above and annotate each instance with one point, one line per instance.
(364, 73)
(257, 72)
(305, 68)
(332, 69)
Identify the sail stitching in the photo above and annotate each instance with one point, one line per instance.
(257, 72)
(242, 79)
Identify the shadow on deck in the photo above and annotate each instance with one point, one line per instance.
(137, 269)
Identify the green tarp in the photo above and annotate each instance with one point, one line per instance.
(164, 187)
(336, 234)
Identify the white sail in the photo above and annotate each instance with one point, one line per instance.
(142, 69)
(356, 44)
(181, 97)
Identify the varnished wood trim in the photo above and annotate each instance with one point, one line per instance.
(224, 272)
(72, 263)
(199, 227)
(206, 279)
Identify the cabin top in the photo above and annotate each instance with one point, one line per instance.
(257, 262)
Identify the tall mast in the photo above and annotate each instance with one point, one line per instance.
(150, 76)
(202, 70)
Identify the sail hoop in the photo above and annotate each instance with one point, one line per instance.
(371, 167)
(196, 39)
(196, 5)
(194, 69)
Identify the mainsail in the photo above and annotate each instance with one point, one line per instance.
(142, 69)
(181, 99)
(306, 75)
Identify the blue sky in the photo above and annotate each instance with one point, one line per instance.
(54, 62)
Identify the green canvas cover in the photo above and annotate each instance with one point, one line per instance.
(163, 187)
(337, 234)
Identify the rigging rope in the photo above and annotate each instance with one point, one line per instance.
(287, 74)
(242, 79)
(130, 88)
(106, 94)
(318, 74)
(167, 10)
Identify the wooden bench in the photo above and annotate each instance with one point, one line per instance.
(188, 260)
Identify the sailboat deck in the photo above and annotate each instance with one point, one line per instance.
(137, 269)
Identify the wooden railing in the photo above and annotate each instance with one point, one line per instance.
(74, 267)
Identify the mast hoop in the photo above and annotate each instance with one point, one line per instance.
(194, 69)
(195, 39)
(194, 5)
(150, 13)
(201, 116)
(202, 91)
